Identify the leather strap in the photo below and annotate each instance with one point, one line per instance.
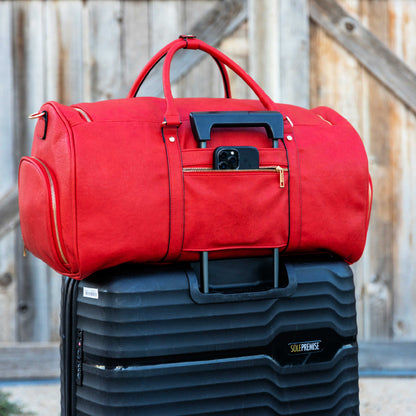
(160, 55)
(294, 187)
(176, 193)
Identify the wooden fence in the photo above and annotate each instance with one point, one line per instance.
(357, 56)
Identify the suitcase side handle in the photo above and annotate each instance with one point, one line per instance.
(203, 122)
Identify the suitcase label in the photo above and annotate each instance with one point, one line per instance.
(89, 292)
(305, 346)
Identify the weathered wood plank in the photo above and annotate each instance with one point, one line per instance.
(166, 19)
(64, 51)
(204, 78)
(29, 73)
(7, 289)
(102, 24)
(221, 21)
(279, 49)
(387, 356)
(29, 70)
(8, 198)
(403, 148)
(29, 360)
(367, 48)
(7, 168)
(135, 41)
(41, 360)
(9, 211)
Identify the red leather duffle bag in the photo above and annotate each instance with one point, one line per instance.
(147, 179)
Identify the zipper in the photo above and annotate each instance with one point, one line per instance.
(54, 211)
(278, 169)
(282, 175)
(83, 113)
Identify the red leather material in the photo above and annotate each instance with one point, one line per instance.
(112, 183)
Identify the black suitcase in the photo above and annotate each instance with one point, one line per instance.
(147, 340)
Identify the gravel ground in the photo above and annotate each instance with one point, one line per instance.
(378, 396)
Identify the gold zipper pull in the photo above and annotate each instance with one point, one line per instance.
(24, 251)
(282, 176)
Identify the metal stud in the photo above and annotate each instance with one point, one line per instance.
(289, 138)
(172, 139)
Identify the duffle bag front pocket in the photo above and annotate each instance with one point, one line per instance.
(236, 209)
(39, 213)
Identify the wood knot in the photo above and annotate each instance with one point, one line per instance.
(349, 24)
(5, 279)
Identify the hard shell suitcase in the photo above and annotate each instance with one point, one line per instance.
(147, 340)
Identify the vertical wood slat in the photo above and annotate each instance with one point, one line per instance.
(279, 49)
(7, 168)
(135, 41)
(203, 80)
(7, 175)
(166, 19)
(104, 19)
(29, 86)
(402, 29)
(379, 105)
(64, 51)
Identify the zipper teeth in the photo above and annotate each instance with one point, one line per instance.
(54, 210)
(269, 168)
(85, 115)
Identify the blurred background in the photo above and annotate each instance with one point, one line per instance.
(356, 56)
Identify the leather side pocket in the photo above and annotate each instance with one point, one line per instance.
(39, 213)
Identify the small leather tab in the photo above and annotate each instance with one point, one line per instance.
(41, 126)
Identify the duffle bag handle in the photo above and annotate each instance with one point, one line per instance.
(172, 118)
(160, 55)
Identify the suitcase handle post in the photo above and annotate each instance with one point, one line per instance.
(203, 122)
(204, 270)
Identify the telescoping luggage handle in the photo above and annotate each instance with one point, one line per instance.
(283, 286)
(205, 270)
(172, 118)
(203, 122)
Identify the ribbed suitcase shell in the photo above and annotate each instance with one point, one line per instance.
(153, 344)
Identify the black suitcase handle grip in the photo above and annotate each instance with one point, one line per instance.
(205, 270)
(203, 122)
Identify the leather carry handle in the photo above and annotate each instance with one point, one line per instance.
(172, 117)
(160, 55)
(203, 122)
